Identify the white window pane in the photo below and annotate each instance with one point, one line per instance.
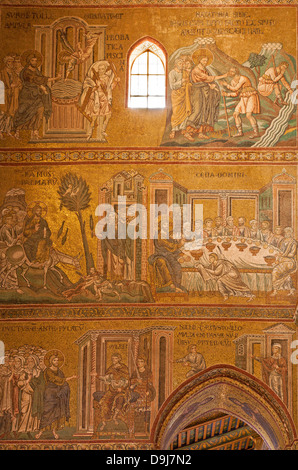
(138, 85)
(156, 102)
(138, 102)
(156, 85)
(155, 64)
(140, 64)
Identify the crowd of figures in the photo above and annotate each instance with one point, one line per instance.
(170, 254)
(24, 234)
(34, 393)
(196, 95)
(28, 96)
(281, 238)
(254, 230)
(26, 242)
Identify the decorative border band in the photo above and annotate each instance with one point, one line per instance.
(111, 446)
(140, 155)
(151, 3)
(146, 312)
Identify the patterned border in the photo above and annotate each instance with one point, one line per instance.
(140, 155)
(158, 3)
(146, 312)
(111, 446)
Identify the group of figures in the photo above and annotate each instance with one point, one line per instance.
(34, 393)
(125, 404)
(26, 244)
(281, 238)
(196, 95)
(26, 241)
(170, 254)
(28, 96)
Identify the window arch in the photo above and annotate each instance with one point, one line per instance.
(2, 93)
(147, 75)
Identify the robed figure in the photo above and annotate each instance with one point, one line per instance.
(37, 235)
(275, 371)
(56, 398)
(35, 100)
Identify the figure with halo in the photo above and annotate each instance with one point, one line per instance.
(204, 96)
(56, 397)
(37, 234)
(35, 100)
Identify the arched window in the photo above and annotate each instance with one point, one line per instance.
(2, 93)
(147, 75)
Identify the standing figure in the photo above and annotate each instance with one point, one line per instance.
(26, 421)
(35, 100)
(12, 86)
(96, 98)
(205, 96)
(118, 256)
(273, 80)
(249, 103)
(142, 394)
(37, 235)
(275, 372)
(180, 97)
(194, 360)
(5, 397)
(17, 370)
(56, 395)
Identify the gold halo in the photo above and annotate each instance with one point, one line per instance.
(26, 55)
(43, 206)
(200, 53)
(55, 353)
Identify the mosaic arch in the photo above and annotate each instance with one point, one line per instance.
(229, 390)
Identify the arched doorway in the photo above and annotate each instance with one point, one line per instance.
(228, 390)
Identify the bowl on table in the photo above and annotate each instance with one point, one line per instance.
(226, 245)
(254, 250)
(197, 254)
(269, 259)
(210, 246)
(241, 246)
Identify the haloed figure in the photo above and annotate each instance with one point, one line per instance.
(56, 395)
